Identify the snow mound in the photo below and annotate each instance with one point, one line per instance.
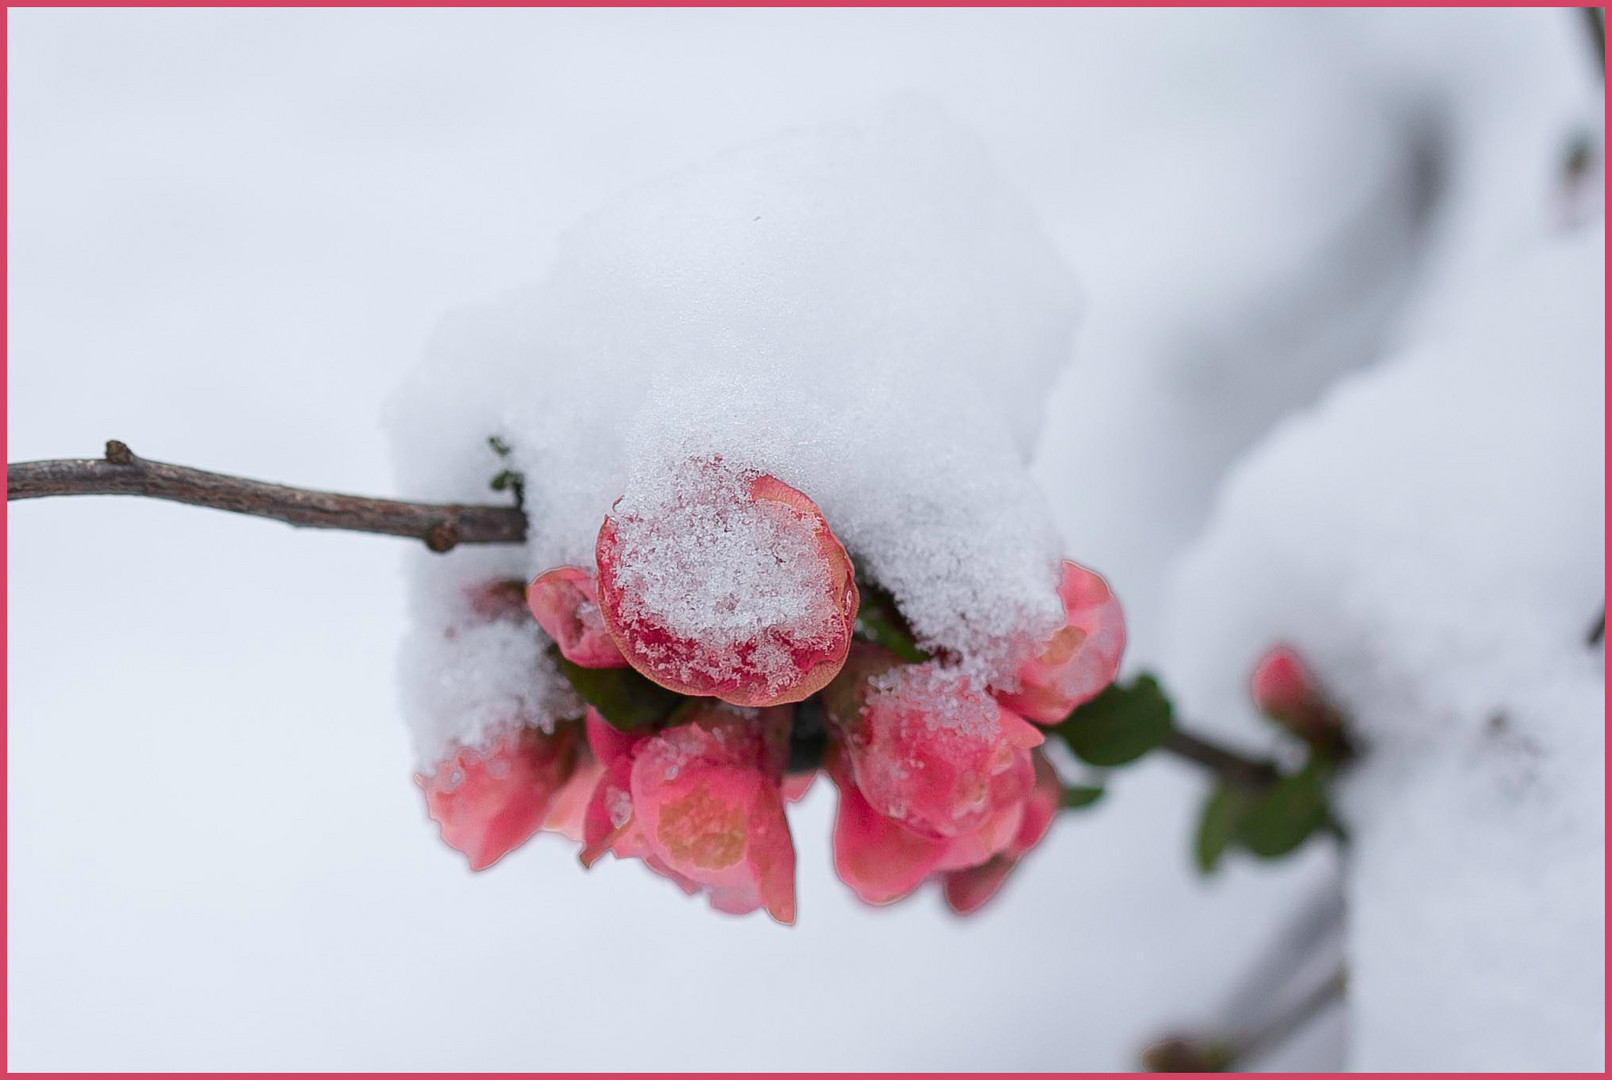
(1442, 578)
(864, 312)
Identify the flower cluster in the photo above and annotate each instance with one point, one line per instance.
(730, 622)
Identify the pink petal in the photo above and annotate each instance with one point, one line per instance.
(879, 859)
(488, 803)
(607, 823)
(796, 785)
(565, 603)
(606, 742)
(934, 753)
(967, 890)
(1081, 659)
(707, 799)
(570, 805)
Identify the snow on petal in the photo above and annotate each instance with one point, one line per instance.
(701, 803)
(929, 749)
(489, 802)
(1081, 658)
(721, 582)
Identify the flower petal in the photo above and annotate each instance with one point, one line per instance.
(489, 802)
(565, 602)
(734, 588)
(1082, 657)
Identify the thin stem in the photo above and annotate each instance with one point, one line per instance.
(440, 526)
(1285, 1025)
(1595, 23)
(1205, 1053)
(1227, 764)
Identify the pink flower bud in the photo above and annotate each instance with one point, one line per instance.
(882, 860)
(565, 602)
(1282, 686)
(1082, 657)
(929, 750)
(489, 802)
(757, 610)
(1285, 690)
(701, 803)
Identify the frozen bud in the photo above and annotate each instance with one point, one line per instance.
(489, 802)
(565, 602)
(929, 750)
(728, 584)
(969, 888)
(1080, 659)
(701, 803)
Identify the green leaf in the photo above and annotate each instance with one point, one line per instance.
(1076, 796)
(500, 447)
(507, 478)
(625, 698)
(1286, 813)
(879, 620)
(1119, 725)
(1223, 812)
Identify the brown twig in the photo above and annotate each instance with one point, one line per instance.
(440, 526)
(1227, 764)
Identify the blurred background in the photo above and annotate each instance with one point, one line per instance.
(231, 233)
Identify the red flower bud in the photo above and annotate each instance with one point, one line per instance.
(734, 588)
(1082, 657)
(1281, 684)
(929, 750)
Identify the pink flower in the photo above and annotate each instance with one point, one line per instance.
(937, 780)
(565, 602)
(927, 749)
(752, 663)
(701, 803)
(490, 802)
(882, 860)
(1082, 657)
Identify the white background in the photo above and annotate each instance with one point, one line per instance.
(230, 233)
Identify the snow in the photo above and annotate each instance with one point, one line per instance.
(697, 557)
(765, 309)
(1441, 578)
(941, 696)
(239, 227)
